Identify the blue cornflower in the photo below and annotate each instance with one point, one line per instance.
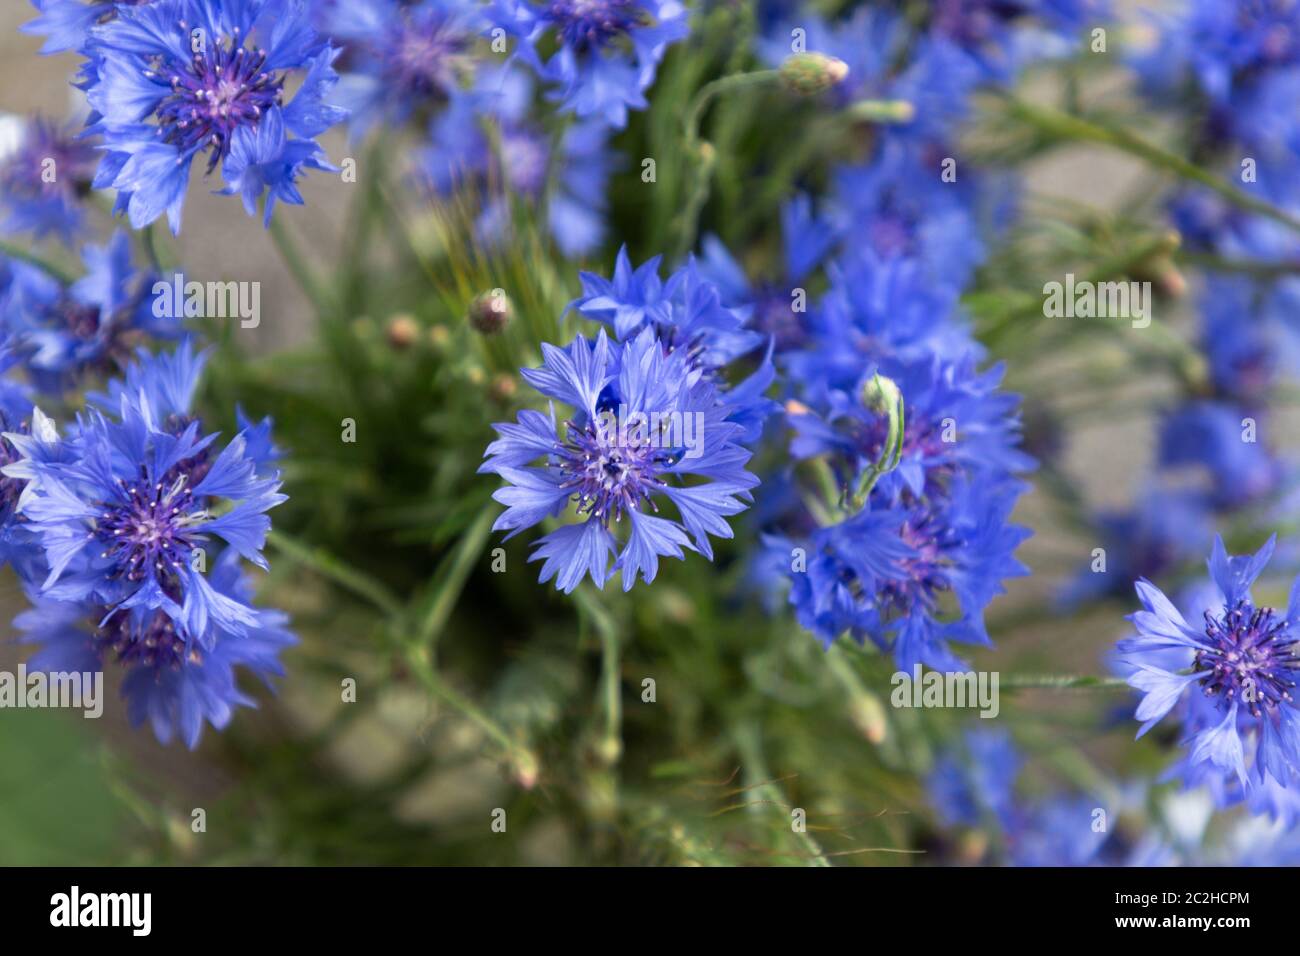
(1241, 656)
(44, 179)
(176, 682)
(64, 333)
(66, 24)
(1001, 37)
(1233, 52)
(877, 308)
(178, 79)
(1220, 443)
(973, 784)
(776, 309)
(1162, 530)
(607, 51)
(898, 205)
(401, 59)
(123, 521)
(936, 525)
(646, 426)
(687, 314)
(518, 160)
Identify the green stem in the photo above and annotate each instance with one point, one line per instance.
(523, 761)
(1064, 126)
(749, 742)
(610, 745)
(1061, 682)
(702, 153)
(298, 267)
(448, 591)
(328, 566)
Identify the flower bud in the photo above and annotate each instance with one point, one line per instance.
(490, 312)
(811, 73)
(402, 331)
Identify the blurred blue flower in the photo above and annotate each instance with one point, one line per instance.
(400, 59)
(1232, 52)
(44, 180)
(606, 51)
(1241, 656)
(176, 79)
(899, 205)
(518, 160)
(1220, 444)
(176, 682)
(647, 425)
(974, 784)
(1164, 529)
(62, 334)
(918, 565)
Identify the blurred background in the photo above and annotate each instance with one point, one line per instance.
(401, 777)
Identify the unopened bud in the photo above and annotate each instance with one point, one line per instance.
(402, 331)
(490, 312)
(811, 73)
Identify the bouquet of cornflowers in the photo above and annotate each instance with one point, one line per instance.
(715, 432)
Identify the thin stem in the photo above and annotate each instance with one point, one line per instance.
(1062, 682)
(703, 153)
(298, 267)
(749, 742)
(328, 566)
(610, 746)
(1064, 126)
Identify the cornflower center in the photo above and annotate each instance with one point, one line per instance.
(151, 525)
(610, 469)
(222, 88)
(592, 24)
(422, 55)
(1250, 656)
(155, 645)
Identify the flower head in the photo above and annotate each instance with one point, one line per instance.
(64, 333)
(647, 429)
(127, 515)
(607, 50)
(400, 59)
(174, 681)
(44, 179)
(1241, 656)
(178, 80)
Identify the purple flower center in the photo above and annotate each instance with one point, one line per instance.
(155, 645)
(592, 24)
(222, 88)
(49, 165)
(422, 55)
(973, 22)
(924, 576)
(609, 468)
(526, 159)
(1250, 657)
(151, 527)
(774, 315)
